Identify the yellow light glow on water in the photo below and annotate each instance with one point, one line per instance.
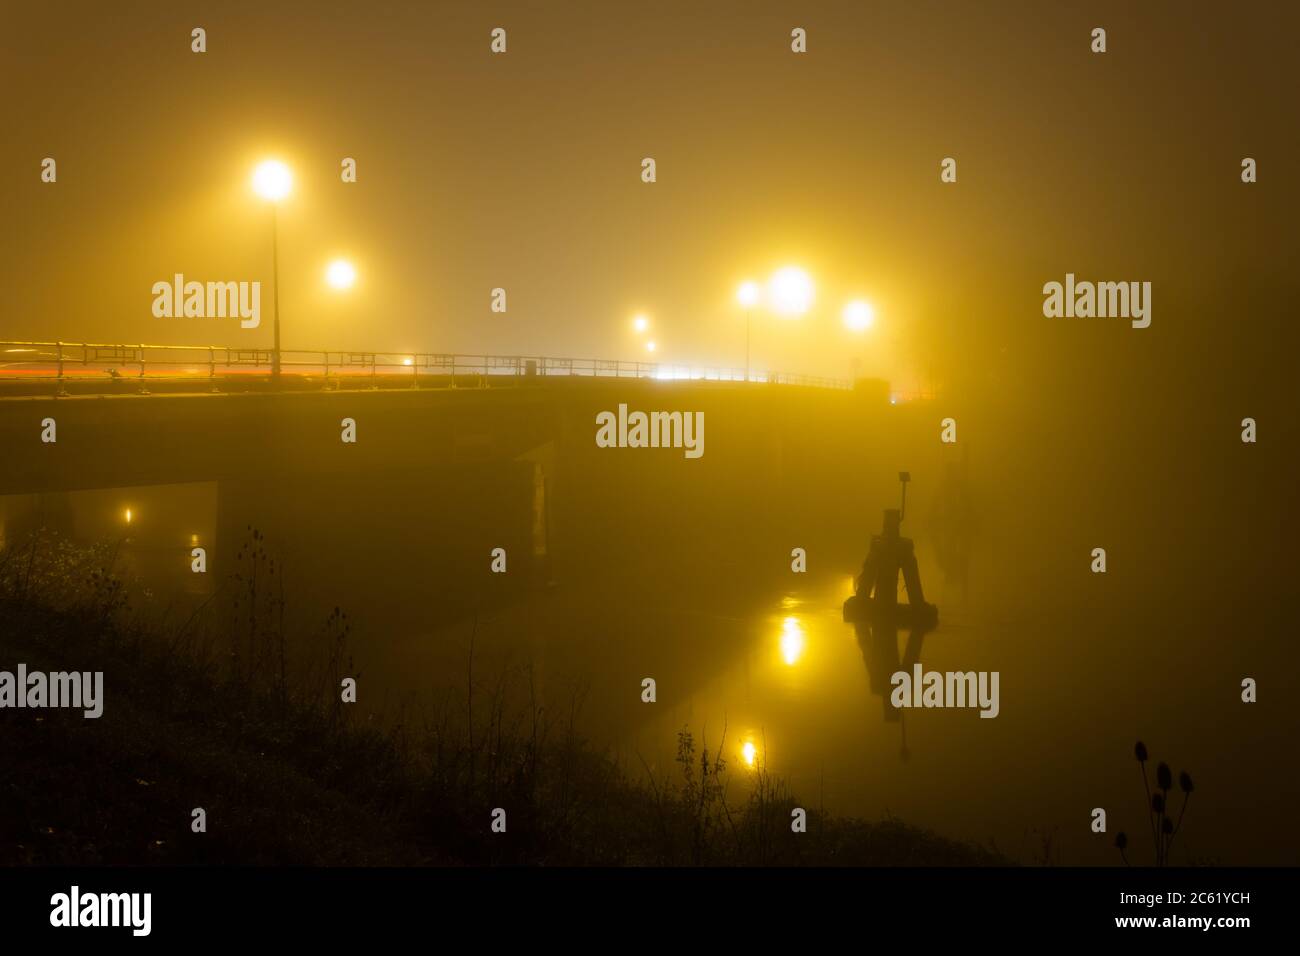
(749, 753)
(792, 640)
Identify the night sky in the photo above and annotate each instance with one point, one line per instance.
(522, 171)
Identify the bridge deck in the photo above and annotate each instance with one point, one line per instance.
(63, 368)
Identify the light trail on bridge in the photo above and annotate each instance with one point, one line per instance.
(119, 366)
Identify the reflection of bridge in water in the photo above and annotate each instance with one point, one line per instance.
(67, 367)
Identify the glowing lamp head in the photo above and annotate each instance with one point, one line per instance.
(340, 274)
(651, 346)
(791, 291)
(640, 323)
(272, 180)
(748, 294)
(858, 316)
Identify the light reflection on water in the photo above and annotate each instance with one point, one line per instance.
(792, 641)
(788, 687)
(810, 702)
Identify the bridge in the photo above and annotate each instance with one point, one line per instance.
(66, 368)
(452, 459)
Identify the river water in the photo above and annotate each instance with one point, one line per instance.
(761, 663)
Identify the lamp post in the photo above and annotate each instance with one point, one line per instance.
(791, 291)
(640, 326)
(340, 274)
(272, 181)
(747, 295)
(858, 316)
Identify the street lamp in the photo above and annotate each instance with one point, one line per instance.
(640, 324)
(791, 291)
(340, 274)
(747, 295)
(858, 316)
(272, 181)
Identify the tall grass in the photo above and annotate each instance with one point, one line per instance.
(239, 706)
(1160, 819)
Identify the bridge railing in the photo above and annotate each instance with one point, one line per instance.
(85, 362)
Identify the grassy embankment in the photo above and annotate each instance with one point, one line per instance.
(227, 711)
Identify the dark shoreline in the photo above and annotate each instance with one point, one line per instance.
(284, 780)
